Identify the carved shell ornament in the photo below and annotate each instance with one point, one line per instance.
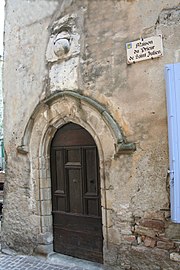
(62, 43)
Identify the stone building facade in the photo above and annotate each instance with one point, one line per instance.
(1, 100)
(65, 62)
(1, 120)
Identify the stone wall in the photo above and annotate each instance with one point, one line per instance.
(70, 65)
(1, 100)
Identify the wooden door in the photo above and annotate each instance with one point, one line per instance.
(77, 219)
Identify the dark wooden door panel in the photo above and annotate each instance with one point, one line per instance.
(91, 171)
(92, 207)
(73, 155)
(78, 244)
(60, 203)
(75, 184)
(60, 185)
(77, 221)
(78, 235)
(72, 134)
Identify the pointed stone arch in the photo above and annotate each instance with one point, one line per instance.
(121, 145)
(50, 115)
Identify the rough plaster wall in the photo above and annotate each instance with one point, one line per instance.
(136, 101)
(27, 35)
(26, 38)
(134, 94)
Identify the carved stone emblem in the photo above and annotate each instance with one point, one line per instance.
(62, 43)
(64, 39)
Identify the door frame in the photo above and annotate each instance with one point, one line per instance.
(46, 215)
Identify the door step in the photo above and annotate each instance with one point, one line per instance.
(56, 258)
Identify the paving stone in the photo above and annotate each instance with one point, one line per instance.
(8, 262)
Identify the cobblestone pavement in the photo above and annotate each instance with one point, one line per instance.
(8, 262)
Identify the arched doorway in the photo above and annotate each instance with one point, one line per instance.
(77, 218)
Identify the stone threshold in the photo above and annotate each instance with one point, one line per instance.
(64, 260)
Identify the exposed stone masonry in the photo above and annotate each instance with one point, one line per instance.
(70, 66)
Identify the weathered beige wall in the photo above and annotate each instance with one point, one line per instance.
(136, 184)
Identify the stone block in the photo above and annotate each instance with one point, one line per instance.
(46, 207)
(45, 238)
(65, 75)
(46, 221)
(149, 242)
(109, 199)
(43, 173)
(47, 165)
(45, 194)
(45, 182)
(36, 191)
(155, 224)
(129, 239)
(37, 210)
(108, 217)
(144, 231)
(175, 256)
(47, 228)
(165, 245)
(160, 252)
(44, 249)
(42, 163)
(114, 235)
(8, 251)
(139, 240)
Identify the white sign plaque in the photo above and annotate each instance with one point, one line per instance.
(144, 49)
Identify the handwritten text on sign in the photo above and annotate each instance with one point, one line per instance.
(143, 49)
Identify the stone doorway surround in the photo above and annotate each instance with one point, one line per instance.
(50, 115)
